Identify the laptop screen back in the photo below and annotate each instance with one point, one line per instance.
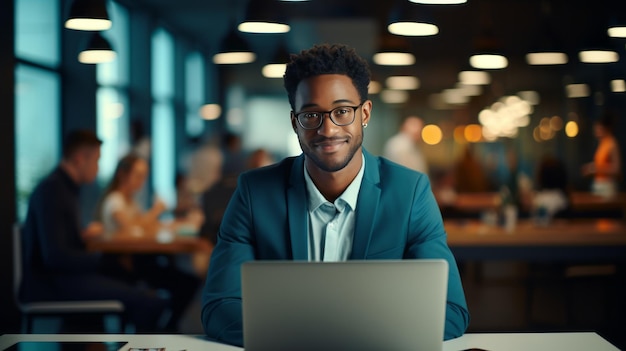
(352, 305)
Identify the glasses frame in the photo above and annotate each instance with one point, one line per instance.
(330, 116)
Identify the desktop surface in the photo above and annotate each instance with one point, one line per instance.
(488, 341)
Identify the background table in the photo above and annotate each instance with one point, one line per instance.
(561, 240)
(490, 342)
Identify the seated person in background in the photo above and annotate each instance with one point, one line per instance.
(606, 167)
(288, 211)
(552, 195)
(122, 215)
(186, 202)
(119, 211)
(56, 264)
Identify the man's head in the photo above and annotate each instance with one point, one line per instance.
(326, 59)
(81, 152)
(327, 88)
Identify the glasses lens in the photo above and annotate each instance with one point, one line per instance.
(342, 116)
(309, 120)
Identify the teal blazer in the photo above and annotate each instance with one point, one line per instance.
(397, 217)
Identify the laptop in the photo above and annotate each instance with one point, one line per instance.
(352, 305)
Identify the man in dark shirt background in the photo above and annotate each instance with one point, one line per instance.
(56, 263)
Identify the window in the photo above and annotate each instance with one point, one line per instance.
(36, 128)
(37, 30)
(194, 93)
(37, 95)
(112, 96)
(163, 163)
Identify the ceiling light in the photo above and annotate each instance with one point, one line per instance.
(374, 87)
(439, 2)
(393, 51)
(264, 16)
(469, 90)
(454, 97)
(617, 32)
(98, 50)
(474, 78)
(234, 50)
(394, 59)
(263, 27)
(274, 70)
(531, 96)
(402, 83)
(598, 56)
(618, 86)
(488, 61)
(210, 112)
(411, 20)
(546, 58)
(414, 29)
(577, 90)
(90, 15)
(394, 96)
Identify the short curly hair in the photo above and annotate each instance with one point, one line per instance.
(326, 59)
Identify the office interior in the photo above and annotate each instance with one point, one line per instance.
(164, 81)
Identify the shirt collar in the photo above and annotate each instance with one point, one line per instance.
(347, 198)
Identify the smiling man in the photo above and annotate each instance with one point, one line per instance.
(334, 202)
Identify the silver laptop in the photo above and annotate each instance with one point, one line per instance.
(353, 305)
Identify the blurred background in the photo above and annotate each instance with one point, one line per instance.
(165, 89)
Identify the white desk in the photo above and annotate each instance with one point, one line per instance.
(489, 342)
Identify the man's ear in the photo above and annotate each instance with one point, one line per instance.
(294, 123)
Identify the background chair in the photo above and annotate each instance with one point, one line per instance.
(31, 310)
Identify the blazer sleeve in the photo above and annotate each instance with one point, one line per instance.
(221, 297)
(428, 239)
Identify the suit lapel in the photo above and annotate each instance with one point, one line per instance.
(297, 210)
(366, 208)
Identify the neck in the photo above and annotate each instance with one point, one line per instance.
(332, 184)
(71, 170)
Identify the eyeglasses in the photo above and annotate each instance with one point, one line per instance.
(341, 116)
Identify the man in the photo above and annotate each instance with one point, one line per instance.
(334, 202)
(403, 147)
(56, 264)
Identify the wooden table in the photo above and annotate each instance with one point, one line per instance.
(582, 239)
(150, 245)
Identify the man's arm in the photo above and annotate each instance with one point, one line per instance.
(428, 239)
(221, 297)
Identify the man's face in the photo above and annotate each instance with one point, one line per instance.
(89, 163)
(330, 148)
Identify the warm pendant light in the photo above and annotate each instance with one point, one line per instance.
(264, 16)
(234, 50)
(598, 48)
(90, 15)
(277, 66)
(411, 20)
(98, 51)
(394, 51)
(488, 61)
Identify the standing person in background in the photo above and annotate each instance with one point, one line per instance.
(333, 202)
(606, 166)
(56, 263)
(122, 215)
(403, 147)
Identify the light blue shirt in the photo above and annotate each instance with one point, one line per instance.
(331, 225)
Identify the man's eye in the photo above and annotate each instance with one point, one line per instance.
(341, 112)
(311, 115)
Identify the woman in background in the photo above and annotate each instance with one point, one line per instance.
(119, 211)
(121, 214)
(606, 165)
